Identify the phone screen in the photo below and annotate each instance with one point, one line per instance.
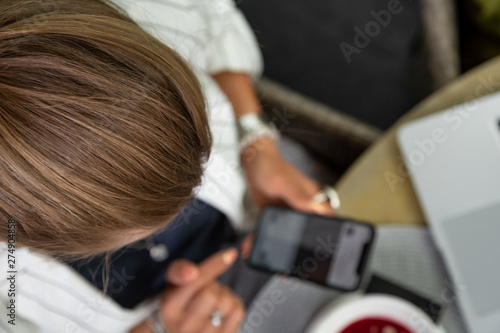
(325, 250)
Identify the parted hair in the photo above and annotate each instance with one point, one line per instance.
(103, 128)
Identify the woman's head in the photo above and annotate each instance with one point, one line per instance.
(103, 129)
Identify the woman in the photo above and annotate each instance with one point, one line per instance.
(108, 136)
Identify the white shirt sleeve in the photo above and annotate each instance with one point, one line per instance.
(212, 35)
(52, 297)
(232, 45)
(19, 325)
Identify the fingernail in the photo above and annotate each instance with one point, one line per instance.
(229, 256)
(188, 273)
(319, 208)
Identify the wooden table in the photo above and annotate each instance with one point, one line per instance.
(375, 188)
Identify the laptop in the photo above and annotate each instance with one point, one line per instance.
(453, 159)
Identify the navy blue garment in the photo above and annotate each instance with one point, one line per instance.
(197, 232)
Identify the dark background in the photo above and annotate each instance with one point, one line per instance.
(300, 41)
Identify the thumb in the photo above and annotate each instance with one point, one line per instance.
(182, 272)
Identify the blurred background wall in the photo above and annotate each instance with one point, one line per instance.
(479, 24)
(348, 69)
(366, 58)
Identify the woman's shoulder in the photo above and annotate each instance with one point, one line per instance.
(48, 288)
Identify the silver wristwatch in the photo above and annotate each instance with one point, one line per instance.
(252, 127)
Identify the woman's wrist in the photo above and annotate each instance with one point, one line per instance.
(252, 129)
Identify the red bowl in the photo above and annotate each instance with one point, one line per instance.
(374, 313)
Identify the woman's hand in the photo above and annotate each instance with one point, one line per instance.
(195, 293)
(273, 180)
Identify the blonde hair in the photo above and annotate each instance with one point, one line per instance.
(103, 128)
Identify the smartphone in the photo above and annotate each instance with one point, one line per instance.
(331, 251)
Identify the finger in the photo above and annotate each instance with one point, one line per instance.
(246, 245)
(234, 319)
(210, 298)
(181, 272)
(215, 265)
(326, 201)
(298, 193)
(226, 301)
(201, 306)
(208, 271)
(322, 208)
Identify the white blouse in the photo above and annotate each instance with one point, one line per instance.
(213, 36)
